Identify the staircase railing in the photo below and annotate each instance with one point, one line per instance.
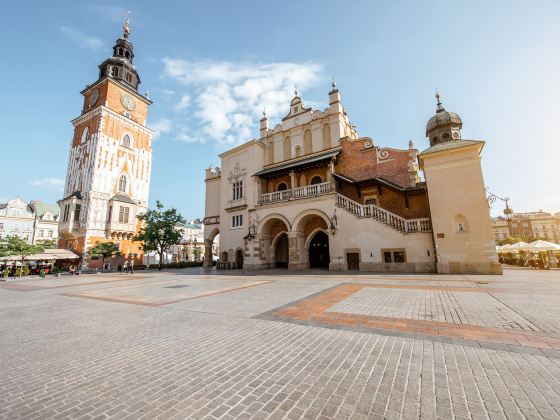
(384, 216)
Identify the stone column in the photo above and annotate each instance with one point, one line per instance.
(262, 251)
(293, 181)
(297, 258)
(208, 253)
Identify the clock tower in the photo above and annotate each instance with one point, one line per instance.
(108, 175)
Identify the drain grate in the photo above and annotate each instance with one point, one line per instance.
(177, 286)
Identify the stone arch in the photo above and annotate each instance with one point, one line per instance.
(301, 219)
(312, 234)
(327, 136)
(208, 245)
(282, 186)
(268, 221)
(287, 148)
(279, 250)
(307, 142)
(317, 179)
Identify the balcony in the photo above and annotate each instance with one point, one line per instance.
(297, 193)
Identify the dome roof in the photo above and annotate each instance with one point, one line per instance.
(443, 117)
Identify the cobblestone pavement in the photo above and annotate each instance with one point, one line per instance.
(190, 344)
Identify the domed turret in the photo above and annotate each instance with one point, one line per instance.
(444, 126)
(120, 66)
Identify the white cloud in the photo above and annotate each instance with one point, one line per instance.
(109, 13)
(163, 125)
(49, 183)
(228, 98)
(183, 103)
(82, 40)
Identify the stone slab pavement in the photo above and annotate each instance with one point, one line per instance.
(298, 345)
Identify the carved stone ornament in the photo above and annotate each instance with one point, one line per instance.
(237, 173)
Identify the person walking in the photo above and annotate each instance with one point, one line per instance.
(125, 267)
(131, 266)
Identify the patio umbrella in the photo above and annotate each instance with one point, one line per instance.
(540, 245)
(515, 247)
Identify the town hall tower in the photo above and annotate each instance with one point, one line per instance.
(108, 176)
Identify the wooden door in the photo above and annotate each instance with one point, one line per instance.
(353, 259)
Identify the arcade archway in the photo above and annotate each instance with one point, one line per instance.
(319, 256)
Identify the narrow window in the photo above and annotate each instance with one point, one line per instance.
(126, 141)
(77, 209)
(122, 183)
(307, 142)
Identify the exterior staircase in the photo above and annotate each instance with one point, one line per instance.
(392, 220)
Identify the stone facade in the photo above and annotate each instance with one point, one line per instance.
(17, 218)
(109, 164)
(311, 192)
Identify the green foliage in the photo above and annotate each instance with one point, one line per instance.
(509, 241)
(104, 250)
(17, 247)
(197, 252)
(181, 264)
(159, 230)
(6, 272)
(48, 243)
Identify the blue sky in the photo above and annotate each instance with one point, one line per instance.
(211, 67)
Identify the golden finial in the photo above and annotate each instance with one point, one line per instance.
(126, 27)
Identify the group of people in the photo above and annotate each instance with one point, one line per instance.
(538, 260)
(128, 267)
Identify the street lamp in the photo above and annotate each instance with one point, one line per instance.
(492, 199)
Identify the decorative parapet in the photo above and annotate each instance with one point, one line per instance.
(213, 173)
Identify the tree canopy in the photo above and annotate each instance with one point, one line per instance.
(104, 250)
(17, 247)
(159, 230)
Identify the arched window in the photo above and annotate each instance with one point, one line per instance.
(115, 72)
(287, 148)
(270, 152)
(85, 135)
(129, 77)
(126, 142)
(326, 136)
(122, 183)
(282, 187)
(316, 180)
(307, 142)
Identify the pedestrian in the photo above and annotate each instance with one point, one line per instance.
(131, 266)
(125, 268)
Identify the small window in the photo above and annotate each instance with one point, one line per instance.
(238, 190)
(445, 135)
(122, 183)
(66, 213)
(85, 135)
(398, 256)
(77, 210)
(115, 71)
(126, 142)
(387, 257)
(129, 77)
(434, 139)
(120, 51)
(237, 221)
(41, 233)
(124, 213)
(50, 233)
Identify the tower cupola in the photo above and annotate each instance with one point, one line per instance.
(120, 66)
(444, 125)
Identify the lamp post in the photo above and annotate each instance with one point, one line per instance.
(249, 238)
(492, 199)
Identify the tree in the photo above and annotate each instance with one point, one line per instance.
(104, 250)
(48, 243)
(197, 252)
(159, 230)
(17, 247)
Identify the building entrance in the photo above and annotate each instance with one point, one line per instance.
(239, 259)
(319, 251)
(281, 252)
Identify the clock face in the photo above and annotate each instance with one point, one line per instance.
(94, 97)
(128, 102)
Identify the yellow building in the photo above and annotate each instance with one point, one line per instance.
(108, 175)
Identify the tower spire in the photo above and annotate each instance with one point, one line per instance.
(439, 104)
(126, 26)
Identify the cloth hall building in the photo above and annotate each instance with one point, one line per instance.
(310, 192)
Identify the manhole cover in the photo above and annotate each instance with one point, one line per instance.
(177, 286)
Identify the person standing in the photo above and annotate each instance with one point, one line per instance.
(131, 266)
